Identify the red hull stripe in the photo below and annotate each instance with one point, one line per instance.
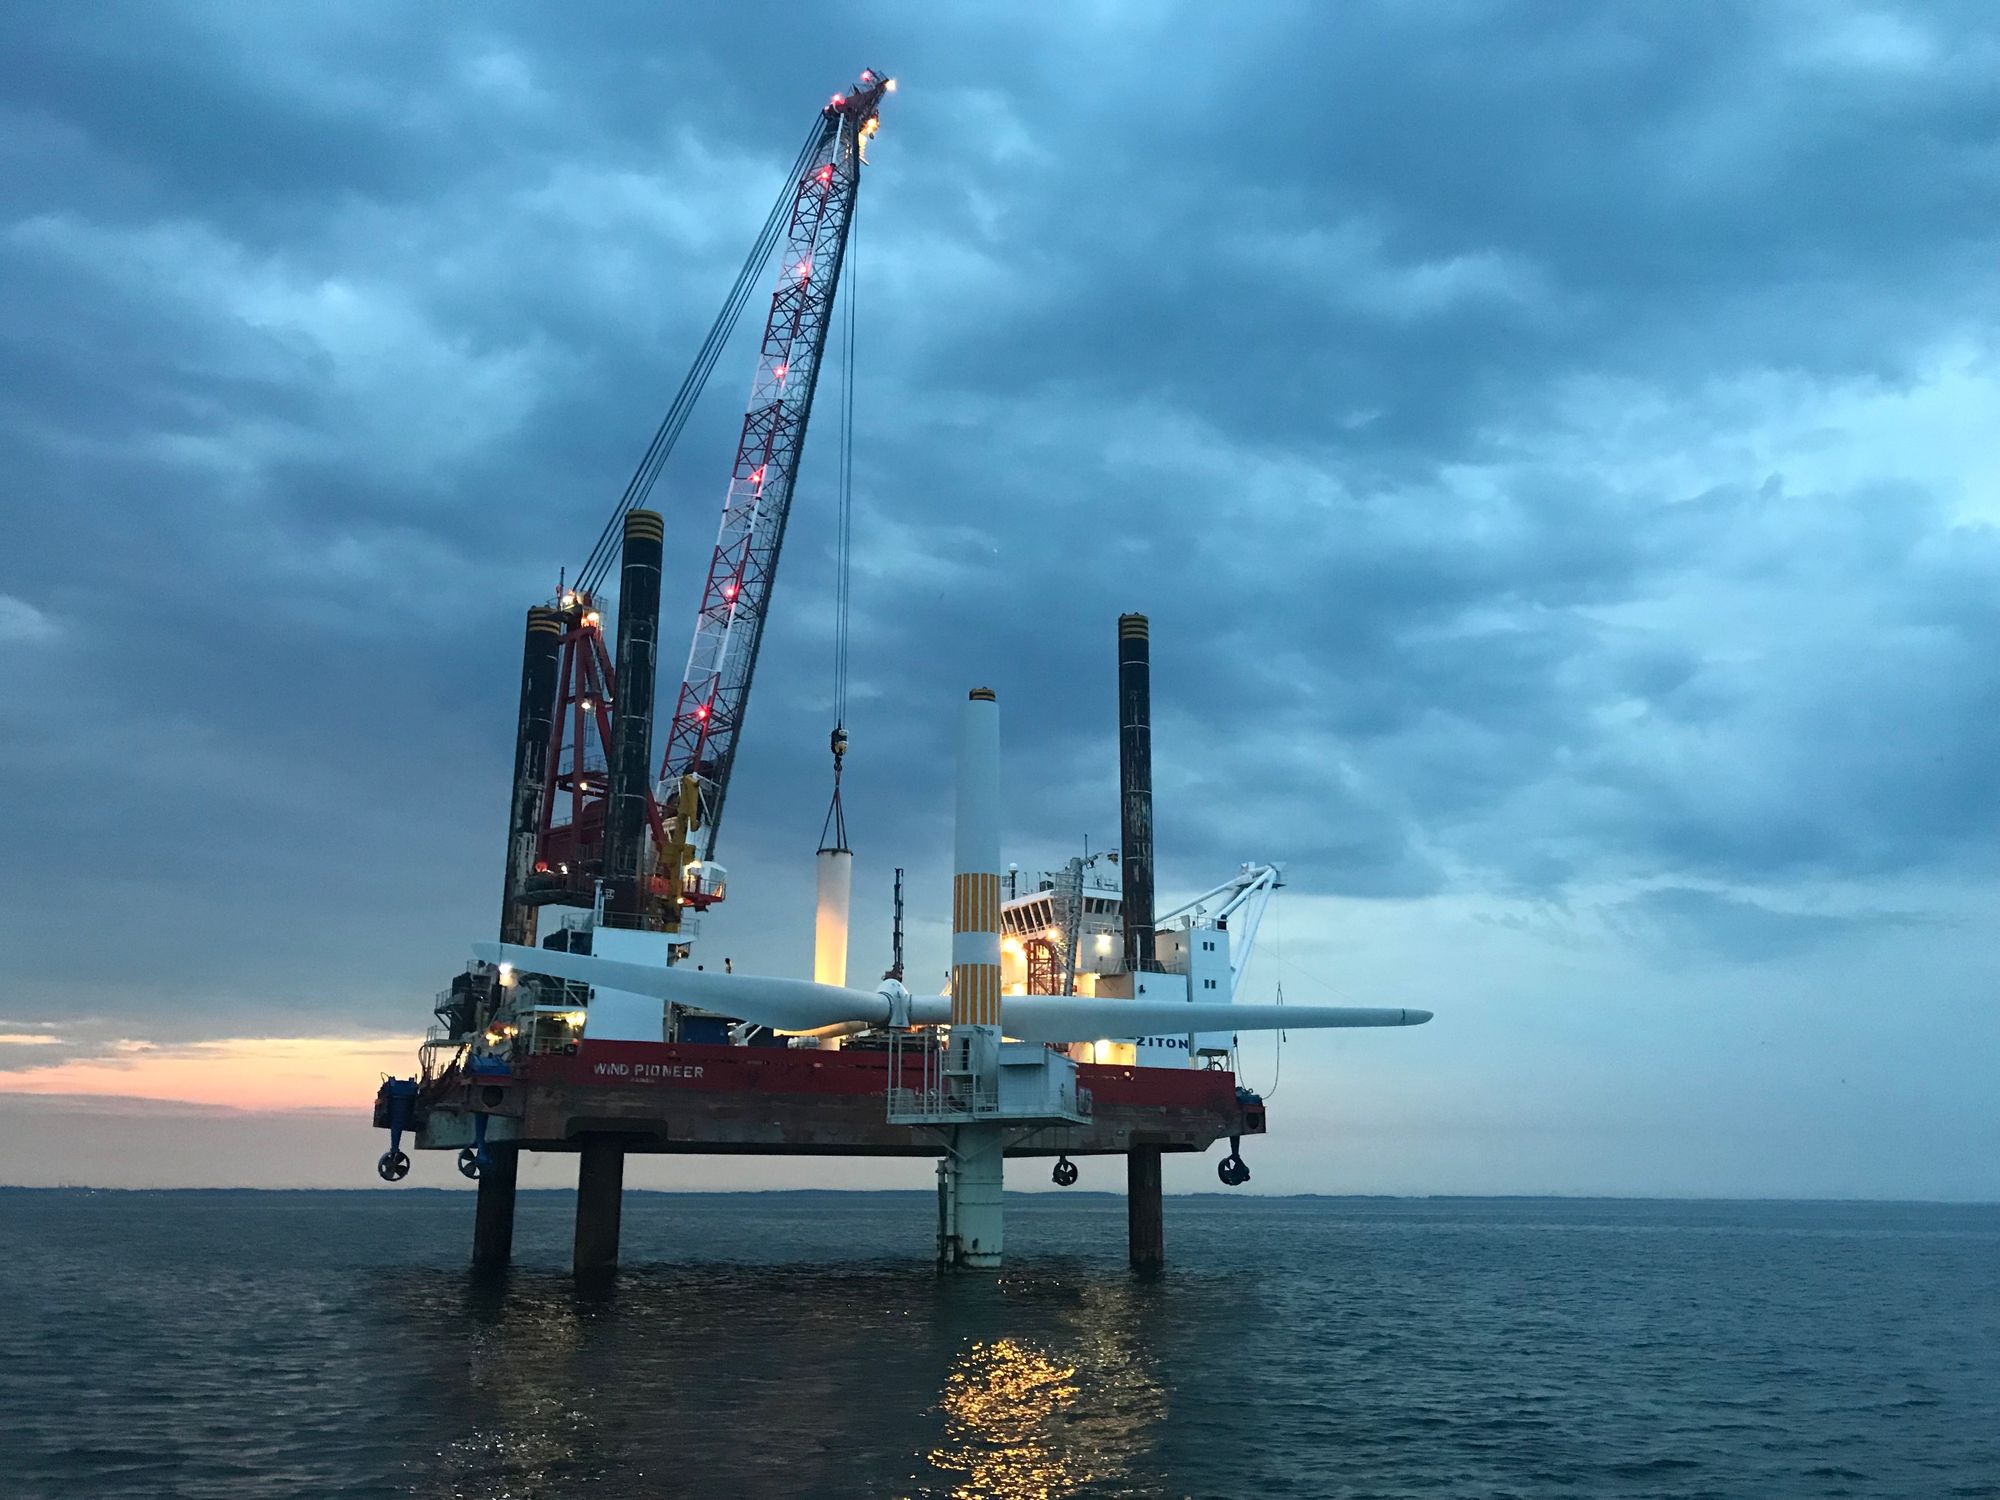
(702, 1068)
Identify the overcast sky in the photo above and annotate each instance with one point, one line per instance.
(1555, 444)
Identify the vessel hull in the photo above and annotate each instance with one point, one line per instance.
(697, 1098)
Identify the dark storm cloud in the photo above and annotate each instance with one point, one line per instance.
(1463, 389)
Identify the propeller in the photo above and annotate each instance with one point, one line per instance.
(802, 1007)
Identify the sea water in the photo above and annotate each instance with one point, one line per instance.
(334, 1344)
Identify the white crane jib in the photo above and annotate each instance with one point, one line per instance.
(1237, 906)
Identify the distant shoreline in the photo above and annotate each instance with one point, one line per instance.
(1067, 1194)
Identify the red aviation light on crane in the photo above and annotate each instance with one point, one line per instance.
(825, 174)
(729, 591)
(839, 101)
(701, 712)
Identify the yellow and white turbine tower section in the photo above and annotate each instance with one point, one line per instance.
(971, 1173)
(975, 880)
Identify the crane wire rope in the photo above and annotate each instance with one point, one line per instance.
(597, 566)
(1278, 1036)
(844, 506)
(833, 833)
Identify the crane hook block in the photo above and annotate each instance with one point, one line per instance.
(839, 741)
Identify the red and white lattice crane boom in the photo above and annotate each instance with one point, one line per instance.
(736, 597)
(808, 229)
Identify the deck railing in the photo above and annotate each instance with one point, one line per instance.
(923, 1092)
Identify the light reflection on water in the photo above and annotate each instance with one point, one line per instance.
(761, 1378)
(520, 1378)
(1005, 1405)
(1041, 1420)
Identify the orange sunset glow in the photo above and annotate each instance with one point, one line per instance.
(252, 1073)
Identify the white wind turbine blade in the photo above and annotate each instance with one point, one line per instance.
(800, 1005)
(794, 1005)
(1068, 1018)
